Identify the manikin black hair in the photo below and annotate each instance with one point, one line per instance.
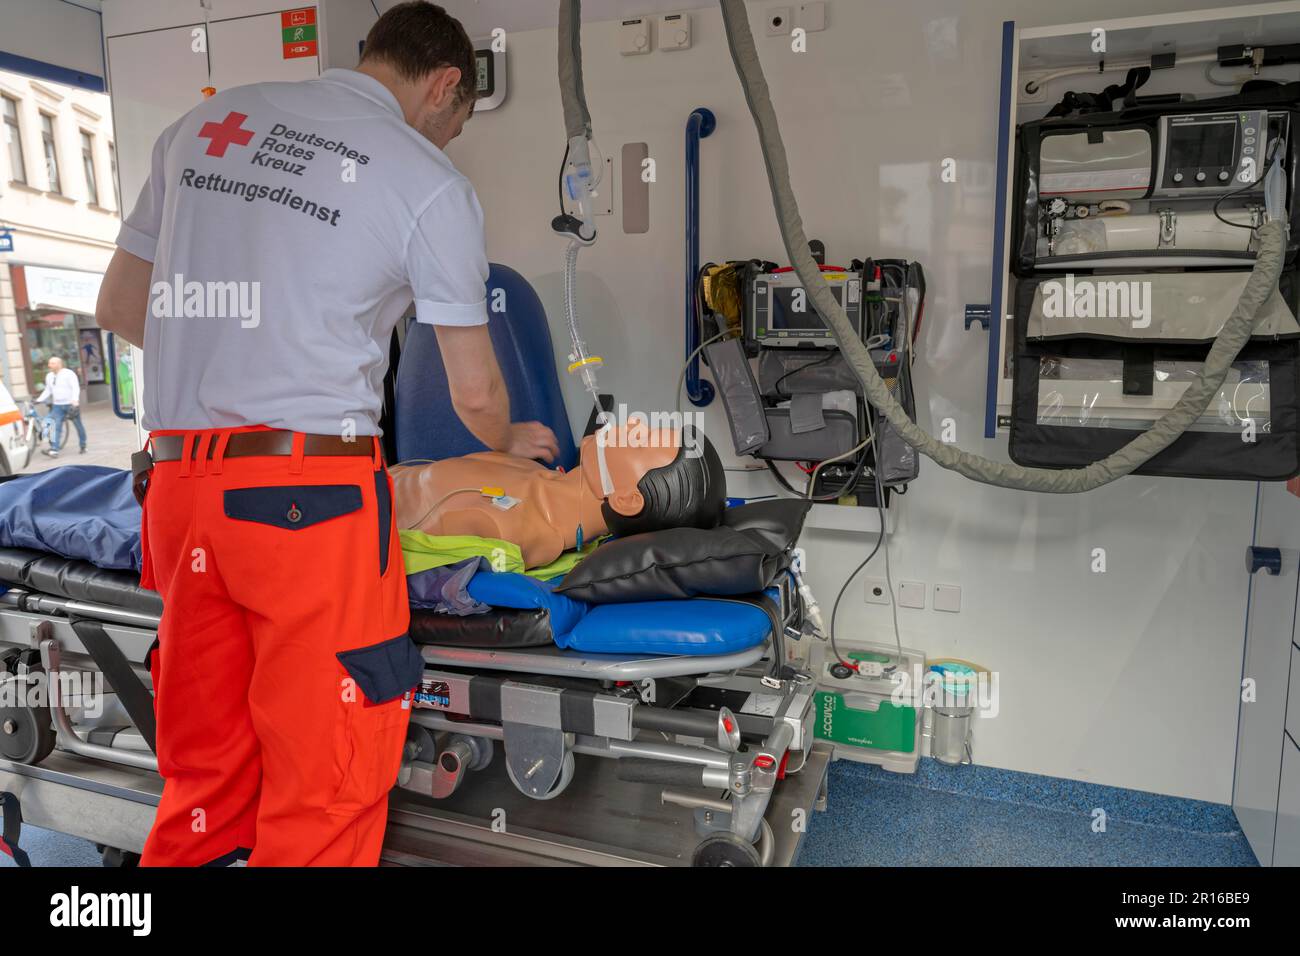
(688, 492)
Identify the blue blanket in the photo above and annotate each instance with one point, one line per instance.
(78, 511)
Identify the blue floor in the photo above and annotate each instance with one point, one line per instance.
(952, 816)
(980, 816)
(47, 848)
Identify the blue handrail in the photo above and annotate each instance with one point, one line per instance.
(111, 362)
(699, 124)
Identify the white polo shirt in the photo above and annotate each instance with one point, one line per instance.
(61, 388)
(290, 225)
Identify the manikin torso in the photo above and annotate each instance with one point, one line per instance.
(554, 508)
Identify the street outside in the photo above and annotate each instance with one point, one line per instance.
(110, 441)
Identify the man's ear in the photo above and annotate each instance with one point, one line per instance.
(627, 503)
(443, 90)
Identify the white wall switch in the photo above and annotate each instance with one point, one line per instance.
(634, 36)
(877, 591)
(811, 16)
(911, 594)
(947, 597)
(675, 31)
(780, 21)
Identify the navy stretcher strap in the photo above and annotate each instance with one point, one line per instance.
(121, 677)
(13, 828)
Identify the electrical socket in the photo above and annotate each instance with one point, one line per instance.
(877, 591)
(780, 21)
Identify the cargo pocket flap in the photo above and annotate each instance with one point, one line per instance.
(292, 506)
(384, 671)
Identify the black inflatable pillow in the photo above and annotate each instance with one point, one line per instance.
(741, 556)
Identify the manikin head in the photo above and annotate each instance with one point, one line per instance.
(654, 478)
(423, 55)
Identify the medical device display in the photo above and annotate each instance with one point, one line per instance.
(799, 401)
(1215, 153)
(1177, 185)
(779, 313)
(1170, 198)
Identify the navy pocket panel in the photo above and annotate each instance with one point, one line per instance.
(292, 506)
(384, 671)
(385, 500)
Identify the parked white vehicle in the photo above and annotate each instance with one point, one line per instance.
(17, 438)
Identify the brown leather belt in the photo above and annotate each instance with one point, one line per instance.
(268, 443)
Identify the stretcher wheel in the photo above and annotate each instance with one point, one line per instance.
(561, 783)
(26, 734)
(726, 850)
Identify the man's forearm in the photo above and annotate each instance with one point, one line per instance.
(124, 297)
(487, 415)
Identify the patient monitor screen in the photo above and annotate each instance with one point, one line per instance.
(1202, 145)
(792, 310)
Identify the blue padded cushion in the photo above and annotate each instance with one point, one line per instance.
(424, 421)
(691, 627)
(519, 591)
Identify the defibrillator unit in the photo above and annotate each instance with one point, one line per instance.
(779, 312)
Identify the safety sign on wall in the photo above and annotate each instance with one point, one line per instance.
(298, 32)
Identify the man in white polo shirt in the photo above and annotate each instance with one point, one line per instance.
(284, 230)
(63, 392)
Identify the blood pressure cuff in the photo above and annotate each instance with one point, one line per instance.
(740, 398)
(743, 555)
(1090, 377)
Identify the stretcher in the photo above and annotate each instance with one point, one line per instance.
(516, 754)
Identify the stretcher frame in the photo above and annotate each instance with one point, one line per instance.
(708, 782)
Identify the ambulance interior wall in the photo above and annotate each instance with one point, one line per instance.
(1127, 677)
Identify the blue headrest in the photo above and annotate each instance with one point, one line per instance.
(423, 418)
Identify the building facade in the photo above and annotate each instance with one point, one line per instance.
(59, 214)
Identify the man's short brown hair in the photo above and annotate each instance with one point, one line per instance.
(417, 38)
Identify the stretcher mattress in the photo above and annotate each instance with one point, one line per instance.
(528, 613)
(75, 580)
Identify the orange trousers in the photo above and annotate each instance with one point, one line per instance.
(283, 671)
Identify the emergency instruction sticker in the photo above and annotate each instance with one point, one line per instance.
(298, 32)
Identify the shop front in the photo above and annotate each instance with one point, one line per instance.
(55, 312)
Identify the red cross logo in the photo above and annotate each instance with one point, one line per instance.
(226, 132)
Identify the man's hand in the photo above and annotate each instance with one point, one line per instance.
(533, 440)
